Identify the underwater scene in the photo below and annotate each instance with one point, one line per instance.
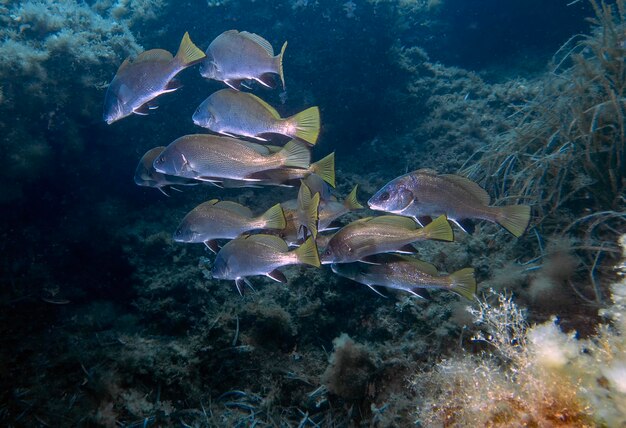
(313, 213)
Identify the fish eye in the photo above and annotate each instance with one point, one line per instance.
(327, 252)
(384, 196)
(161, 159)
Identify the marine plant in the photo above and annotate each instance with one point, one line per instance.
(566, 155)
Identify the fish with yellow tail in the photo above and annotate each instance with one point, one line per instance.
(215, 219)
(407, 273)
(216, 159)
(236, 56)
(384, 234)
(307, 212)
(229, 112)
(261, 254)
(138, 82)
(425, 193)
(323, 169)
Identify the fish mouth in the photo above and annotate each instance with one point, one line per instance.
(374, 206)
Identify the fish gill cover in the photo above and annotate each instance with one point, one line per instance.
(107, 320)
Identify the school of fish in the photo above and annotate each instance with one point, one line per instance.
(252, 145)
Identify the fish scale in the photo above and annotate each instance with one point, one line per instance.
(457, 201)
(425, 193)
(213, 158)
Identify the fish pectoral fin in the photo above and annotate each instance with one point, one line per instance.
(278, 276)
(235, 84)
(376, 291)
(211, 244)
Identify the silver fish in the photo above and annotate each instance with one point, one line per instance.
(237, 56)
(408, 274)
(213, 158)
(375, 235)
(149, 75)
(229, 112)
(260, 255)
(216, 219)
(424, 193)
(146, 175)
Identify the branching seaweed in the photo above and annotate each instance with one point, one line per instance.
(569, 144)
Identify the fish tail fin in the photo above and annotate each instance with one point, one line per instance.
(351, 202)
(188, 53)
(306, 125)
(311, 212)
(274, 218)
(463, 283)
(296, 155)
(325, 168)
(307, 253)
(438, 229)
(279, 59)
(514, 218)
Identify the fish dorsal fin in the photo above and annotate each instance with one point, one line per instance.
(269, 108)
(395, 220)
(260, 41)
(421, 265)
(234, 207)
(154, 55)
(470, 187)
(124, 65)
(426, 171)
(270, 241)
